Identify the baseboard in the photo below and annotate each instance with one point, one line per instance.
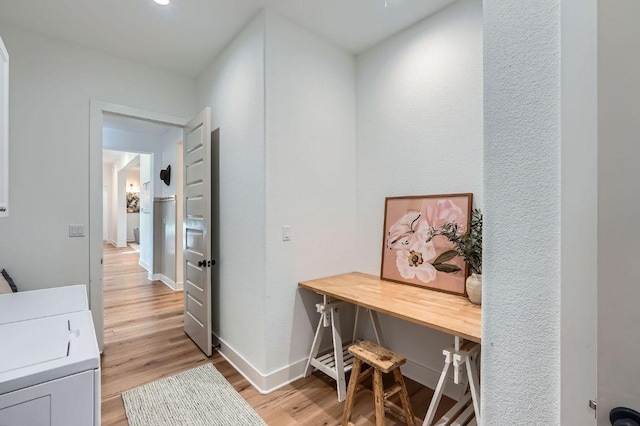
(145, 265)
(267, 383)
(285, 375)
(166, 280)
(263, 383)
(241, 365)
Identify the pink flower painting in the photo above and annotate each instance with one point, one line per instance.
(411, 254)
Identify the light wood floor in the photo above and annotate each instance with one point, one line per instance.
(144, 341)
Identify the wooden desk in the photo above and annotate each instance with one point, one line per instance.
(445, 312)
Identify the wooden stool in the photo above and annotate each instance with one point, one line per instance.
(381, 361)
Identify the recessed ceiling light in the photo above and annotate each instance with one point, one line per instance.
(162, 2)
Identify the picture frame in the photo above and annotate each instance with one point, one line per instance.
(133, 202)
(411, 254)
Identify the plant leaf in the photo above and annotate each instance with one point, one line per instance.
(446, 267)
(444, 257)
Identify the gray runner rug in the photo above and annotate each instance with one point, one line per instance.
(197, 397)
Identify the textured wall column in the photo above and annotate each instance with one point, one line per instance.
(521, 310)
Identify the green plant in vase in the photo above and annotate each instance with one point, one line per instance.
(469, 246)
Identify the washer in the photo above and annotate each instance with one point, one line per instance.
(49, 366)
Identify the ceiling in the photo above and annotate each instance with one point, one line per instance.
(109, 157)
(128, 124)
(186, 35)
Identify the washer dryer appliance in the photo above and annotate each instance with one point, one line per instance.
(50, 371)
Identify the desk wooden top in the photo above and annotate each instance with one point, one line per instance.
(441, 311)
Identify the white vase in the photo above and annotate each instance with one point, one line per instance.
(474, 288)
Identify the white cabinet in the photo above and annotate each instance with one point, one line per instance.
(67, 401)
(4, 131)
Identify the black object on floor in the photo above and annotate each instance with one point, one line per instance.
(622, 416)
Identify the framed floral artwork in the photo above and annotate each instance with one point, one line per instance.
(413, 252)
(133, 202)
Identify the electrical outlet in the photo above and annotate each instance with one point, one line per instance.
(76, 230)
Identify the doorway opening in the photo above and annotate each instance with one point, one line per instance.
(122, 202)
(128, 199)
(142, 210)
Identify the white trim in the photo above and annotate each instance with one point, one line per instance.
(166, 280)
(145, 265)
(96, 110)
(263, 383)
(240, 364)
(267, 383)
(285, 375)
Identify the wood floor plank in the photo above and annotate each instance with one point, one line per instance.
(145, 341)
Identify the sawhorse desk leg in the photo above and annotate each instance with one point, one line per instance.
(337, 363)
(458, 357)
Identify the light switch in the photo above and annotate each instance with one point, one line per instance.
(76, 230)
(286, 233)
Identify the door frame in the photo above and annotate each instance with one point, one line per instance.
(96, 110)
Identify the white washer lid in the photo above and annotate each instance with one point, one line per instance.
(33, 342)
(44, 349)
(26, 305)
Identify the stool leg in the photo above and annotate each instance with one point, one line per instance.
(378, 393)
(351, 392)
(404, 397)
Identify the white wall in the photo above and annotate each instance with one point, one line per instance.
(233, 86)
(172, 155)
(419, 132)
(133, 219)
(140, 143)
(169, 157)
(118, 183)
(133, 180)
(51, 86)
(311, 182)
(126, 162)
(521, 301)
(107, 184)
(618, 206)
(113, 223)
(146, 212)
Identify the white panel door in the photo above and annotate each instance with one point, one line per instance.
(618, 207)
(197, 260)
